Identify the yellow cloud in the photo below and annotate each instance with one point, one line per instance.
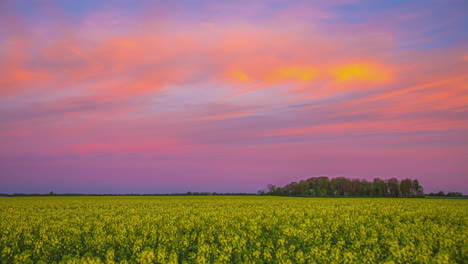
(240, 76)
(361, 72)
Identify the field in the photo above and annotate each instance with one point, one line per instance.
(232, 230)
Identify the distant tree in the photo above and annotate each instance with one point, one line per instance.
(393, 187)
(341, 186)
(355, 187)
(290, 189)
(406, 188)
(302, 187)
(418, 189)
(379, 188)
(278, 191)
(348, 186)
(366, 188)
(454, 194)
(439, 194)
(320, 192)
(312, 192)
(321, 186)
(271, 188)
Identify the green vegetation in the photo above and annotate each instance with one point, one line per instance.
(223, 229)
(449, 194)
(345, 187)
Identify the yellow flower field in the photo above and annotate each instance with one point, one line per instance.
(223, 229)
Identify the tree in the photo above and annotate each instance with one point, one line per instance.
(379, 188)
(278, 191)
(342, 186)
(455, 194)
(321, 185)
(418, 189)
(406, 188)
(355, 187)
(312, 193)
(366, 188)
(302, 187)
(271, 188)
(393, 187)
(291, 188)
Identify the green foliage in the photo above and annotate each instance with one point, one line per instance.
(454, 194)
(345, 187)
(222, 229)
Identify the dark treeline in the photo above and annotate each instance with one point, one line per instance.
(449, 194)
(313, 187)
(346, 187)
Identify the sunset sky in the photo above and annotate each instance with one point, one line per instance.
(229, 96)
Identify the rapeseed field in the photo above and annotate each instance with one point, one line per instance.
(223, 229)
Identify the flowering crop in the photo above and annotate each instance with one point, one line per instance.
(226, 229)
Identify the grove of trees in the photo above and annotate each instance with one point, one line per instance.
(346, 187)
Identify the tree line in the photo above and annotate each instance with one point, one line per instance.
(449, 194)
(346, 187)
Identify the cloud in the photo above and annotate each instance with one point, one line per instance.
(361, 72)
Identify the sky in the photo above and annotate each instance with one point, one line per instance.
(229, 96)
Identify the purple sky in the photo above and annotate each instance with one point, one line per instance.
(229, 96)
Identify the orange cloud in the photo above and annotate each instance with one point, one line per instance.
(292, 73)
(240, 76)
(275, 75)
(15, 80)
(361, 72)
